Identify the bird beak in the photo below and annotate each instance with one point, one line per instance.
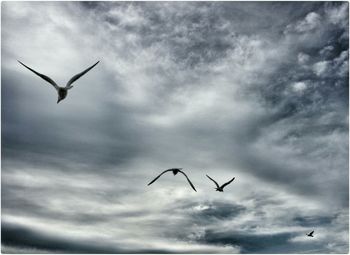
(59, 100)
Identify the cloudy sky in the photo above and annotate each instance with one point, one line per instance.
(256, 91)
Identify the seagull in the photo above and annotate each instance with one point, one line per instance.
(310, 234)
(61, 91)
(220, 188)
(175, 171)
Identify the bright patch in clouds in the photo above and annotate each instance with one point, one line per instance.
(299, 86)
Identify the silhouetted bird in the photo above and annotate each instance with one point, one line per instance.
(310, 234)
(220, 188)
(61, 91)
(175, 171)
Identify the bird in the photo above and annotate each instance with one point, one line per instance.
(220, 188)
(310, 234)
(175, 171)
(61, 91)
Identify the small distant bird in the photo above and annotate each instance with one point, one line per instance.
(61, 91)
(220, 188)
(310, 234)
(175, 171)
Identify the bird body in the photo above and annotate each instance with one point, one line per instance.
(61, 91)
(311, 234)
(175, 171)
(220, 188)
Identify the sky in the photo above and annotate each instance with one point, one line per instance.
(252, 90)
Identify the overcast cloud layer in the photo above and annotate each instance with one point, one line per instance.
(254, 90)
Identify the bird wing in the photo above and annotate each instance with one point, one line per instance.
(46, 78)
(227, 183)
(77, 76)
(188, 180)
(312, 232)
(217, 185)
(158, 176)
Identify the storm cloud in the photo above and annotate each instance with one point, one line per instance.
(252, 90)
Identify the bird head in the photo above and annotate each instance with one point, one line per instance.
(70, 87)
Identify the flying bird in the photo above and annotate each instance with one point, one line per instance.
(310, 234)
(175, 171)
(220, 188)
(61, 91)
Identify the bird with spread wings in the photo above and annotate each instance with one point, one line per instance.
(175, 171)
(220, 188)
(311, 233)
(61, 91)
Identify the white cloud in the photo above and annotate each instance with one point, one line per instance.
(299, 86)
(326, 50)
(303, 58)
(320, 68)
(338, 14)
(311, 22)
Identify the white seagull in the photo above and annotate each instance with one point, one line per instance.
(61, 91)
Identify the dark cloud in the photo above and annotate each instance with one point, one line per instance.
(220, 211)
(23, 237)
(260, 243)
(13, 235)
(250, 243)
(310, 221)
